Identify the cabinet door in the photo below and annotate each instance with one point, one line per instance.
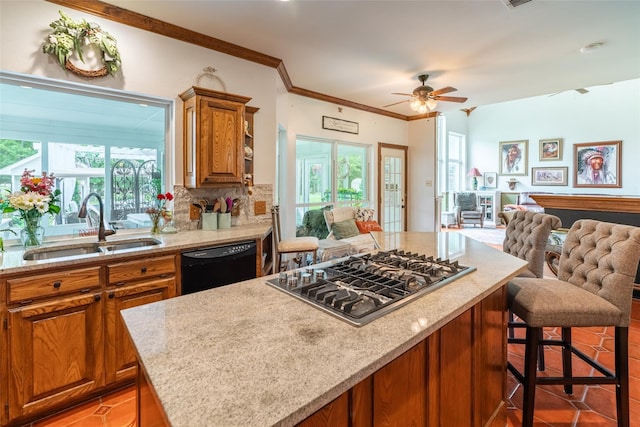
(221, 153)
(120, 354)
(56, 353)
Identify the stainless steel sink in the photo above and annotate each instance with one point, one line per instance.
(78, 249)
(130, 244)
(61, 251)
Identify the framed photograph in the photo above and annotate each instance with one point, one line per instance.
(550, 176)
(597, 164)
(491, 179)
(551, 149)
(513, 157)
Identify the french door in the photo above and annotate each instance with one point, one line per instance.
(392, 187)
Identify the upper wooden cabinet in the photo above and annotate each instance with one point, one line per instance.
(214, 138)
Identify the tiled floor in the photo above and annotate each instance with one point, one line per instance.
(117, 409)
(592, 406)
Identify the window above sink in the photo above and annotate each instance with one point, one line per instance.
(93, 139)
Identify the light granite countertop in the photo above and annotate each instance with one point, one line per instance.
(11, 259)
(248, 354)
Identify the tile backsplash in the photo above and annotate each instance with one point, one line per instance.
(184, 197)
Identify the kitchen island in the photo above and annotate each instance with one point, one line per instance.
(248, 354)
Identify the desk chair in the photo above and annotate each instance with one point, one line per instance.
(296, 245)
(594, 287)
(526, 237)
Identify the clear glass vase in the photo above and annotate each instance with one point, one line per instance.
(32, 235)
(155, 218)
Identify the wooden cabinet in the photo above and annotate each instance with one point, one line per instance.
(63, 339)
(131, 284)
(56, 352)
(264, 255)
(455, 377)
(214, 138)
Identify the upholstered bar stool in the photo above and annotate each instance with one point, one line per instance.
(594, 287)
(526, 237)
(296, 245)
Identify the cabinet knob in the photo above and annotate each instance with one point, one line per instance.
(143, 269)
(57, 284)
(112, 295)
(97, 297)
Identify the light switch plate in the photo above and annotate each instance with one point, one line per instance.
(259, 207)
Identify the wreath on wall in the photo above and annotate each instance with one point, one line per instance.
(70, 39)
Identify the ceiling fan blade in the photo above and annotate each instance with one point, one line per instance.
(404, 94)
(443, 90)
(451, 98)
(396, 103)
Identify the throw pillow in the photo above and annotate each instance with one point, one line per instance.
(345, 229)
(367, 226)
(365, 214)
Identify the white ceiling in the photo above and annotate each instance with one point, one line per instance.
(363, 50)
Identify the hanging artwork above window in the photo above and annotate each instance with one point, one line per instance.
(82, 47)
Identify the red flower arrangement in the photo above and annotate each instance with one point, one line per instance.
(159, 211)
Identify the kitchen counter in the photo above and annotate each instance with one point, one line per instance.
(248, 354)
(11, 260)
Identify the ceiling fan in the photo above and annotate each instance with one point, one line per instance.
(424, 98)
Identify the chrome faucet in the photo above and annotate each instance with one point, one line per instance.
(82, 213)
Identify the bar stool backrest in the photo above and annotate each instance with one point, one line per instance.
(602, 258)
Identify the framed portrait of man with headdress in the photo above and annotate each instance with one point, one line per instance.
(513, 157)
(597, 164)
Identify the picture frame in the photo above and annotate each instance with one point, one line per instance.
(551, 149)
(513, 157)
(340, 125)
(491, 179)
(597, 164)
(550, 176)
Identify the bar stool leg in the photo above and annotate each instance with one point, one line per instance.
(532, 342)
(567, 369)
(622, 372)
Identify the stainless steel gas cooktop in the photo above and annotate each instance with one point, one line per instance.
(360, 289)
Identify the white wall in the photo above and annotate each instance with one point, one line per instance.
(605, 113)
(422, 175)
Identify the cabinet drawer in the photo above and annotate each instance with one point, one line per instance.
(141, 269)
(52, 284)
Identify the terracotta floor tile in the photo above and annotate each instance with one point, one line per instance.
(122, 415)
(91, 421)
(594, 419)
(70, 416)
(602, 399)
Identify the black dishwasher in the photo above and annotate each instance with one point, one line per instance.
(218, 266)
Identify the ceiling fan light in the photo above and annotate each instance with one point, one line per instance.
(415, 104)
(423, 108)
(432, 103)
